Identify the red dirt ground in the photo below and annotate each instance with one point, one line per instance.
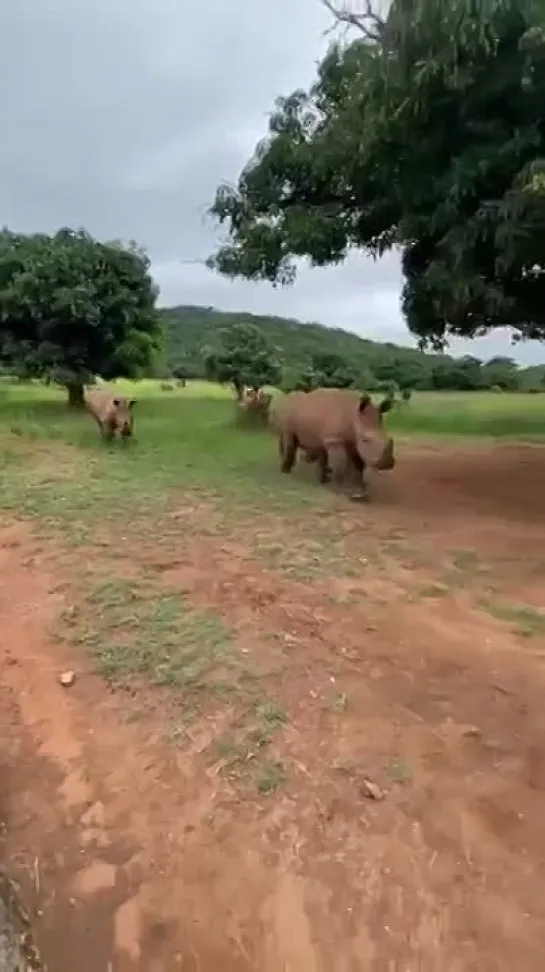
(138, 856)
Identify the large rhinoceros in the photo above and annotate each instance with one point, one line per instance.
(337, 427)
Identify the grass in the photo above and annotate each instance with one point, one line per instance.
(134, 631)
(241, 752)
(487, 414)
(271, 775)
(55, 466)
(526, 621)
(182, 440)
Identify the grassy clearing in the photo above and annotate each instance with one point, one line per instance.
(471, 414)
(54, 465)
(525, 621)
(188, 445)
(182, 440)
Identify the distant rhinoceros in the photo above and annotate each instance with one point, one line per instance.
(111, 411)
(336, 427)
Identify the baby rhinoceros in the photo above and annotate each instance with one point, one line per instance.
(340, 428)
(112, 413)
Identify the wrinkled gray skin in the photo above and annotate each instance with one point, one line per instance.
(338, 428)
(112, 413)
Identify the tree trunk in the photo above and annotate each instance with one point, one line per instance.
(76, 396)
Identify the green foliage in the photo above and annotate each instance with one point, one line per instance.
(500, 373)
(333, 371)
(189, 331)
(426, 131)
(324, 370)
(242, 357)
(299, 379)
(72, 308)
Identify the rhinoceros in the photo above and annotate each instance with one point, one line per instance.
(337, 428)
(112, 412)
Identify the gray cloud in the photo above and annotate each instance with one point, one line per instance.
(124, 117)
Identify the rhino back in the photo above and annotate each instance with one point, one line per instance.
(326, 415)
(98, 403)
(281, 410)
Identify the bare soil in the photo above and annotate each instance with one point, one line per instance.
(408, 832)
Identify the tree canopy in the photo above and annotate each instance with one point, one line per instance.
(425, 132)
(242, 356)
(72, 308)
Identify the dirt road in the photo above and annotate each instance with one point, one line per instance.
(409, 831)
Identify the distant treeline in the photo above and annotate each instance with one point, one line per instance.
(191, 331)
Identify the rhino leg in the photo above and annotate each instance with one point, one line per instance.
(288, 451)
(357, 466)
(107, 431)
(336, 460)
(325, 471)
(347, 464)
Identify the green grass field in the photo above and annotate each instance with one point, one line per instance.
(428, 413)
(188, 438)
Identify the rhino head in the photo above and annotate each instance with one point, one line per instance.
(119, 417)
(374, 446)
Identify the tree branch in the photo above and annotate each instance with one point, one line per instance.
(368, 22)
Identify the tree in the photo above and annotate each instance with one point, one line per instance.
(72, 308)
(333, 371)
(426, 132)
(300, 379)
(500, 372)
(243, 358)
(458, 374)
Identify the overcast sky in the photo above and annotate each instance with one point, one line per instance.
(123, 116)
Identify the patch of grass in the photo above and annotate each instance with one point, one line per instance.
(270, 715)
(471, 414)
(56, 468)
(527, 621)
(241, 749)
(271, 776)
(304, 557)
(433, 591)
(464, 569)
(133, 631)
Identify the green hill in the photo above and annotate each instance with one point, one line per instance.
(189, 330)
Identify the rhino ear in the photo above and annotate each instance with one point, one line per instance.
(365, 400)
(385, 406)
(132, 402)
